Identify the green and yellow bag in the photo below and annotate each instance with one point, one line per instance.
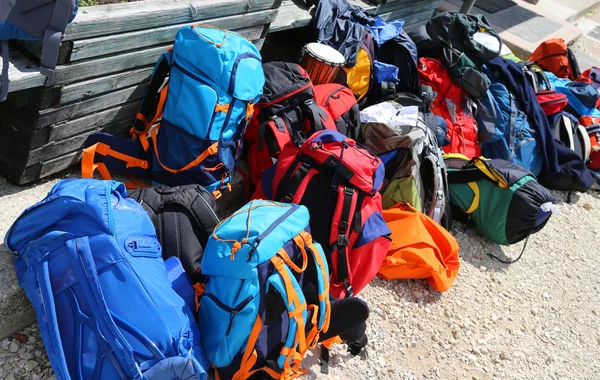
(359, 77)
(504, 201)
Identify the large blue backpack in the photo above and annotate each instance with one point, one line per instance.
(34, 20)
(90, 263)
(504, 131)
(214, 79)
(259, 258)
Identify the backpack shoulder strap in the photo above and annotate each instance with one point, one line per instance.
(154, 99)
(53, 36)
(5, 63)
(514, 112)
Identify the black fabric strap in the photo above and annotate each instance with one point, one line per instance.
(512, 123)
(286, 192)
(466, 176)
(314, 113)
(343, 241)
(5, 80)
(149, 105)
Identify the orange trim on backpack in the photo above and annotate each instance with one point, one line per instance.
(88, 166)
(211, 150)
(222, 108)
(135, 133)
(325, 295)
(331, 341)
(199, 291)
(249, 111)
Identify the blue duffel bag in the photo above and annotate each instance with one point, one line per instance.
(91, 265)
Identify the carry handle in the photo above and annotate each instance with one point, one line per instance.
(211, 150)
(208, 39)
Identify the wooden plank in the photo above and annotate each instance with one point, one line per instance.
(411, 7)
(259, 43)
(78, 71)
(34, 48)
(126, 17)
(23, 73)
(56, 165)
(85, 107)
(410, 19)
(247, 25)
(87, 89)
(59, 148)
(77, 126)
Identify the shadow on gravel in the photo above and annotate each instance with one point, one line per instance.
(478, 251)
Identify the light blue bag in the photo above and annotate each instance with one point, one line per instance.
(504, 131)
(91, 265)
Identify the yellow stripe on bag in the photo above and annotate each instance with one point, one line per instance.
(475, 203)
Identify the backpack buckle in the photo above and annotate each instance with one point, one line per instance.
(342, 240)
(349, 288)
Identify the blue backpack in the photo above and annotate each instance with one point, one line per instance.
(214, 79)
(257, 259)
(90, 263)
(34, 20)
(504, 131)
(582, 96)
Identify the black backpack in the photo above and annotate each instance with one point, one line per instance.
(184, 218)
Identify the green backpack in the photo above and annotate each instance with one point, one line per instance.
(504, 201)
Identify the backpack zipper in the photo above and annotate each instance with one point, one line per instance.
(212, 212)
(330, 95)
(233, 311)
(270, 229)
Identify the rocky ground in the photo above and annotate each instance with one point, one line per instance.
(536, 319)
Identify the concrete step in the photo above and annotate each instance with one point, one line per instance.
(569, 10)
(16, 311)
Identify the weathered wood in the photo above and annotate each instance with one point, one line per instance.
(87, 89)
(124, 111)
(76, 110)
(23, 73)
(259, 43)
(58, 148)
(75, 72)
(126, 17)
(58, 164)
(249, 25)
(408, 19)
(34, 48)
(411, 7)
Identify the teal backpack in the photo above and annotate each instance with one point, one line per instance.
(190, 123)
(253, 310)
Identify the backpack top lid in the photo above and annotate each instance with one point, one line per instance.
(251, 236)
(240, 70)
(80, 206)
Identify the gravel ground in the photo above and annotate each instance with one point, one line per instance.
(536, 319)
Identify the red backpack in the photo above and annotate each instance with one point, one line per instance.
(338, 181)
(592, 127)
(286, 112)
(591, 76)
(341, 104)
(452, 104)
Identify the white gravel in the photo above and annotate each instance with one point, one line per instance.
(536, 319)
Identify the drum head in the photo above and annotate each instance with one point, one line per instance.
(325, 53)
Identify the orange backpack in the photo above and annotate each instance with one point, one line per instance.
(420, 248)
(592, 126)
(554, 55)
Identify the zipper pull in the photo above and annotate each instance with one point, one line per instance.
(231, 316)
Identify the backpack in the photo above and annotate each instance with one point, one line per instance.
(338, 181)
(428, 251)
(582, 97)
(401, 52)
(341, 104)
(89, 261)
(454, 106)
(551, 101)
(568, 131)
(34, 20)
(537, 77)
(505, 132)
(287, 112)
(359, 77)
(556, 56)
(202, 111)
(415, 173)
(503, 200)
(253, 314)
(184, 217)
(592, 127)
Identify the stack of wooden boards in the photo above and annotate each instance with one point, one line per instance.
(104, 65)
(105, 61)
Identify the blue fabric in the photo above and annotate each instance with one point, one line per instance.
(382, 33)
(9, 31)
(91, 265)
(237, 280)
(582, 96)
(384, 72)
(562, 169)
(512, 138)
